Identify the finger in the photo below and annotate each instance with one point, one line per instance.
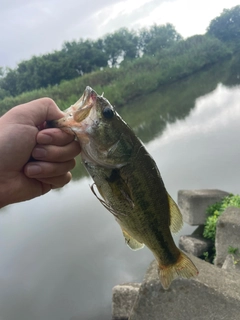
(42, 170)
(35, 112)
(57, 182)
(53, 153)
(54, 136)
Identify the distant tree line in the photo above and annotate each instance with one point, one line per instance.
(84, 56)
(163, 53)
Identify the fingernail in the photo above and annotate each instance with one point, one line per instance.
(33, 169)
(39, 153)
(44, 138)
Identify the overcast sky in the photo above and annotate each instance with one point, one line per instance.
(33, 27)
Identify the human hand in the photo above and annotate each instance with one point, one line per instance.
(33, 162)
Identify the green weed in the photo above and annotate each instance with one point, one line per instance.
(214, 211)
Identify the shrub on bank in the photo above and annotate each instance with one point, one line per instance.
(214, 211)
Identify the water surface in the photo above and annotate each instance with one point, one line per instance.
(61, 254)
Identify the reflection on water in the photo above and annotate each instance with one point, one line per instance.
(149, 115)
(61, 254)
(202, 150)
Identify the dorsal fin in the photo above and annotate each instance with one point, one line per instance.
(176, 220)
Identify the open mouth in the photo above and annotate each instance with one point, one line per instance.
(77, 112)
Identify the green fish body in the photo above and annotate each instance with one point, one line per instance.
(127, 182)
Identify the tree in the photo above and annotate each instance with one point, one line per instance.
(9, 82)
(226, 27)
(2, 72)
(120, 45)
(157, 38)
(79, 57)
(85, 56)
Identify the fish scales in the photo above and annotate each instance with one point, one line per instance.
(128, 181)
(149, 196)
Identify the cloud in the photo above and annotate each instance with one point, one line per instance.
(127, 13)
(33, 27)
(36, 27)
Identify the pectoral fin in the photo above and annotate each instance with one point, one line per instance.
(131, 242)
(176, 221)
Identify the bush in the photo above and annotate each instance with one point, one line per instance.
(214, 212)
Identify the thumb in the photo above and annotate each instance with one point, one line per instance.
(35, 112)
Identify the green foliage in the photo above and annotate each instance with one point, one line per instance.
(209, 256)
(215, 210)
(122, 44)
(226, 27)
(156, 38)
(3, 94)
(232, 250)
(85, 56)
(172, 56)
(133, 78)
(235, 254)
(205, 255)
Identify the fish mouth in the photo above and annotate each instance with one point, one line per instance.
(76, 113)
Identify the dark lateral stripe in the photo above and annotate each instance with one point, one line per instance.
(165, 244)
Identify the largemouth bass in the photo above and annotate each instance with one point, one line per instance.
(127, 182)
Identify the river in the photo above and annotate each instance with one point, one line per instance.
(62, 253)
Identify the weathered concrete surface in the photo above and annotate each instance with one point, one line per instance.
(123, 299)
(227, 234)
(194, 244)
(193, 204)
(232, 262)
(213, 295)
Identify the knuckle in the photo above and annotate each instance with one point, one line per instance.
(48, 101)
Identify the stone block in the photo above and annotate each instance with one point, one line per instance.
(214, 294)
(194, 244)
(227, 234)
(123, 299)
(232, 262)
(193, 204)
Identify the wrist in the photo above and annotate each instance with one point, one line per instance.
(5, 192)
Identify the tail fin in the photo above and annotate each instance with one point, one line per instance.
(183, 268)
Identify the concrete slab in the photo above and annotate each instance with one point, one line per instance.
(227, 234)
(195, 244)
(193, 204)
(213, 295)
(232, 262)
(124, 296)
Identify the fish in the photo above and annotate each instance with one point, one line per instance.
(127, 182)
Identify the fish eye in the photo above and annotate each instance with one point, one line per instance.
(107, 113)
